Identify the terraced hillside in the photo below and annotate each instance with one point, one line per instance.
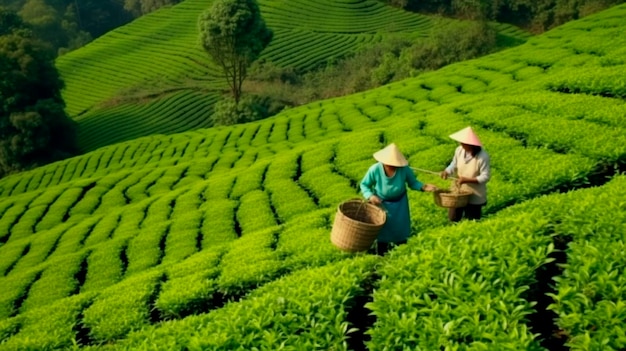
(152, 76)
(219, 238)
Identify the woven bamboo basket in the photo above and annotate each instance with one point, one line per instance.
(451, 198)
(356, 225)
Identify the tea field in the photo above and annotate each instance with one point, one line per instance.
(218, 238)
(152, 75)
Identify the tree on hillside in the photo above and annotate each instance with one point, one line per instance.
(34, 128)
(233, 33)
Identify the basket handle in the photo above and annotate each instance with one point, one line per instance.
(431, 172)
(363, 203)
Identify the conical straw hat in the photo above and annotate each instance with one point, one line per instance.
(466, 136)
(391, 156)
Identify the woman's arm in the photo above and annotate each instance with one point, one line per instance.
(484, 168)
(451, 167)
(367, 183)
(412, 181)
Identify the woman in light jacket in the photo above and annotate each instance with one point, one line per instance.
(385, 184)
(472, 166)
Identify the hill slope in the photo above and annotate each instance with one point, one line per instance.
(152, 75)
(218, 238)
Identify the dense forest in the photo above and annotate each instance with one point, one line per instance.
(70, 24)
(534, 15)
(34, 128)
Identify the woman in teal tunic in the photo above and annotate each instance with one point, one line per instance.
(384, 184)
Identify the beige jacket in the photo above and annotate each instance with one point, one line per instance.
(472, 167)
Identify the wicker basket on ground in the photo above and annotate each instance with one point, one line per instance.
(451, 198)
(356, 225)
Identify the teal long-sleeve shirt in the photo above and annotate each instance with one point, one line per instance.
(391, 190)
(376, 182)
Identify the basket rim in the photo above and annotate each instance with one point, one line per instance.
(450, 192)
(384, 214)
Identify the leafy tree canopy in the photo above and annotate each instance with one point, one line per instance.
(9, 21)
(70, 24)
(233, 33)
(141, 7)
(34, 128)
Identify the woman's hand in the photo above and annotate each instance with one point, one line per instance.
(463, 180)
(444, 174)
(429, 187)
(375, 200)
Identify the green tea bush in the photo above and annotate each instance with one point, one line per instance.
(12, 254)
(254, 212)
(19, 205)
(218, 224)
(470, 290)
(15, 288)
(122, 308)
(56, 282)
(250, 263)
(249, 180)
(185, 296)
(74, 238)
(250, 108)
(104, 228)
(27, 223)
(39, 249)
(105, 266)
(61, 316)
(144, 250)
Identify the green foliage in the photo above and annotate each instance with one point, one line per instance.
(224, 231)
(402, 57)
(56, 282)
(34, 128)
(10, 22)
(228, 111)
(454, 42)
(15, 288)
(105, 266)
(67, 24)
(61, 316)
(190, 286)
(306, 311)
(599, 81)
(144, 250)
(537, 15)
(251, 263)
(233, 33)
(471, 289)
(142, 7)
(255, 212)
(121, 308)
(175, 90)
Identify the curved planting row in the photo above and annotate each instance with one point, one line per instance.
(169, 38)
(105, 78)
(335, 16)
(182, 242)
(118, 61)
(172, 113)
(482, 284)
(286, 49)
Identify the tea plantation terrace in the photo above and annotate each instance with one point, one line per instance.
(151, 76)
(218, 238)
